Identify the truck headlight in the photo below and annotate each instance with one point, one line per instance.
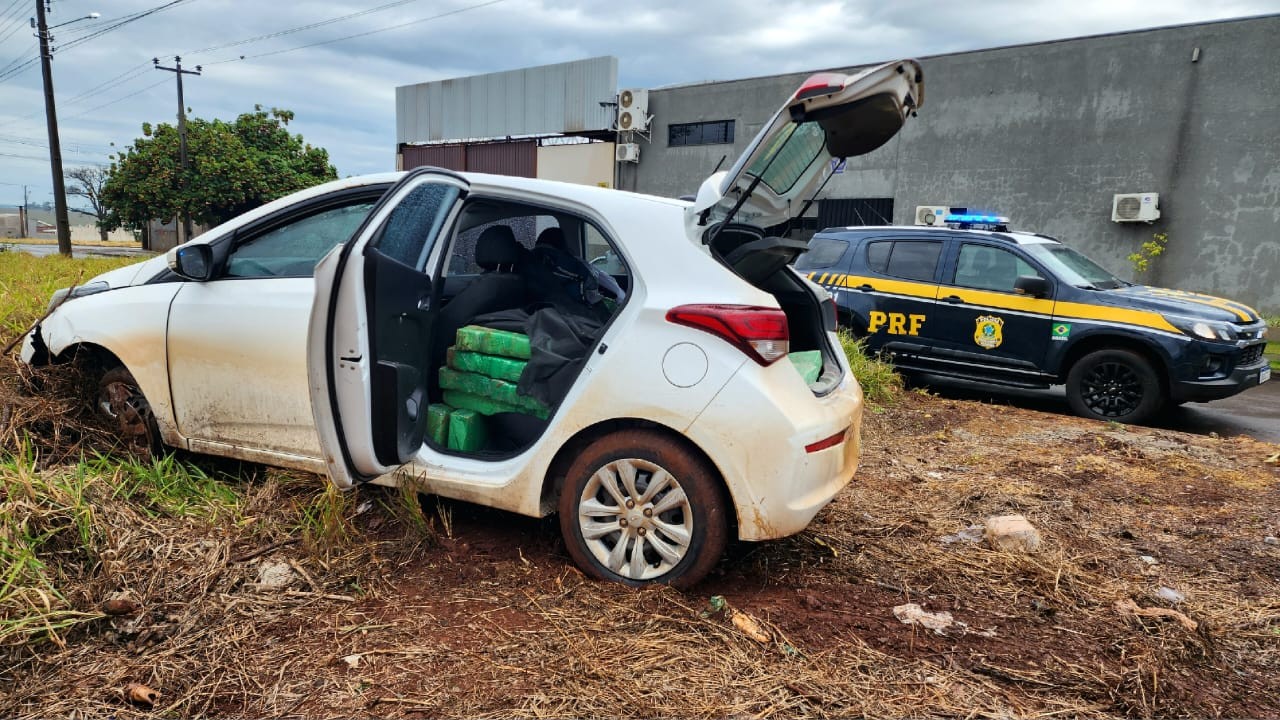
(1204, 329)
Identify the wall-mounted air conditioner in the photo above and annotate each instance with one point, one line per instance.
(1135, 207)
(627, 152)
(633, 110)
(931, 214)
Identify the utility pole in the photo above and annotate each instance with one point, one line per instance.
(55, 144)
(182, 132)
(26, 213)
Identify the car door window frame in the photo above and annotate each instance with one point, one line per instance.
(952, 265)
(939, 263)
(224, 248)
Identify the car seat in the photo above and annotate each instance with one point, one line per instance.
(498, 287)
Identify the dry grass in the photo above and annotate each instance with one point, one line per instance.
(463, 612)
(393, 610)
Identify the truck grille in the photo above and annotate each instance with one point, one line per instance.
(1251, 355)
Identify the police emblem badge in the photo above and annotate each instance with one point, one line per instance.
(988, 333)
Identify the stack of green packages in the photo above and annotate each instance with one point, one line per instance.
(480, 379)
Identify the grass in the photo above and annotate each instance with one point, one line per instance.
(881, 384)
(27, 282)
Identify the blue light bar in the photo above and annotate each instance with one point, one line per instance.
(980, 219)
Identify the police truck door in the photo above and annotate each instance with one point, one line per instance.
(982, 323)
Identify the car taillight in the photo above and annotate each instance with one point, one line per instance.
(759, 332)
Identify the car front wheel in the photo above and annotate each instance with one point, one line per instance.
(126, 410)
(638, 507)
(1114, 384)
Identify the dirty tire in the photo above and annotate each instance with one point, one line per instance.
(1114, 384)
(123, 407)
(677, 527)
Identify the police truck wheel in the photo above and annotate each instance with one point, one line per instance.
(639, 508)
(1114, 384)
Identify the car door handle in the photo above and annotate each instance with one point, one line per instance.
(953, 299)
(864, 287)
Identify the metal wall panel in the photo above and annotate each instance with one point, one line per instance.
(560, 98)
(514, 158)
(453, 157)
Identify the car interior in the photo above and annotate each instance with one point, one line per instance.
(519, 307)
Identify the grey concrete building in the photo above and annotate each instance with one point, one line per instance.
(1046, 134)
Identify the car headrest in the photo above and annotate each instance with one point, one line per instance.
(552, 236)
(497, 246)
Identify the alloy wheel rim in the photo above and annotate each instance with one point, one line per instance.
(127, 408)
(636, 519)
(1112, 389)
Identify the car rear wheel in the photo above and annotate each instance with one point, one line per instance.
(1114, 384)
(123, 406)
(638, 507)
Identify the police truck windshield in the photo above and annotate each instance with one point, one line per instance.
(1073, 267)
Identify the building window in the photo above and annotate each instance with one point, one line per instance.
(700, 133)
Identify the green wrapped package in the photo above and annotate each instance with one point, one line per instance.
(488, 341)
(488, 365)
(808, 363)
(501, 391)
(467, 431)
(489, 406)
(438, 422)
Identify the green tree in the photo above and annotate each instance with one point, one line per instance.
(232, 167)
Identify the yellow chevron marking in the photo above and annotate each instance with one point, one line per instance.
(1143, 318)
(1242, 311)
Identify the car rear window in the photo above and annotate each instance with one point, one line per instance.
(908, 259)
(822, 253)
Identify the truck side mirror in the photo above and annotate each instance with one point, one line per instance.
(1032, 285)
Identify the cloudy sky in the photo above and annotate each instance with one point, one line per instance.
(343, 90)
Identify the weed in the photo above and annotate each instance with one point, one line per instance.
(164, 486)
(880, 383)
(323, 521)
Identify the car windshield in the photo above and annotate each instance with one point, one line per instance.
(1073, 267)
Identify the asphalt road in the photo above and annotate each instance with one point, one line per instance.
(76, 250)
(1254, 412)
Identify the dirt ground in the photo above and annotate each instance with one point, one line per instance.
(476, 613)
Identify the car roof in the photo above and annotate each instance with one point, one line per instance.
(1017, 236)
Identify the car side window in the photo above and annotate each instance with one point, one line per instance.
(984, 267)
(292, 250)
(822, 253)
(527, 230)
(907, 259)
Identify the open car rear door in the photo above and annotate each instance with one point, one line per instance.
(368, 347)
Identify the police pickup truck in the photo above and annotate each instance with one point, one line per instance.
(1024, 310)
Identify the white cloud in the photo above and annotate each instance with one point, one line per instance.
(343, 93)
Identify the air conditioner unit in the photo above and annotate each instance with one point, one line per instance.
(1135, 207)
(633, 110)
(627, 152)
(931, 214)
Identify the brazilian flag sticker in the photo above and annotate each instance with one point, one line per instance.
(1061, 331)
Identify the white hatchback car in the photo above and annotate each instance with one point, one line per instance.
(667, 420)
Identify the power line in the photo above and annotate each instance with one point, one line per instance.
(117, 100)
(301, 28)
(360, 34)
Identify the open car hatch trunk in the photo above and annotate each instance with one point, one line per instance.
(831, 115)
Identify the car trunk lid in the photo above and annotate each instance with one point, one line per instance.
(831, 115)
